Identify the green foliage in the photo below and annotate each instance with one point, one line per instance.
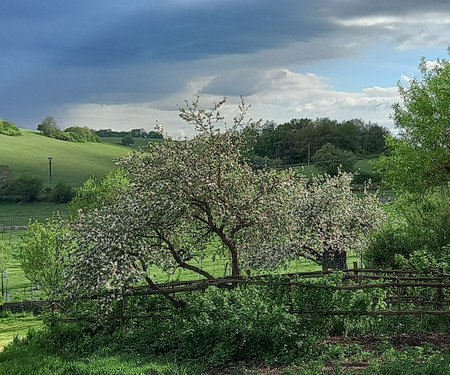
(222, 326)
(331, 159)
(317, 300)
(412, 361)
(242, 324)
(94, 194)
(48, 127)
(127, 140)
(136, 133)
(414, 223)
(362, 178)
(293, 142)
(6, 179)
(420, 158)
(5, 255)
(80, 134)
(41, 253)
(9, 128)
(27, 187)
(62, 193)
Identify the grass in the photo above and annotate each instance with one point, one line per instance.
(37, 354)
(12, 214)
(16, 325)
(28, 358)
(72, 163)
(362, 165)
(16, 284)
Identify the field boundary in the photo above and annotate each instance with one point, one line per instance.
(430, 292)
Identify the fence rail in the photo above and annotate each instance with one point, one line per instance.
(432, 288)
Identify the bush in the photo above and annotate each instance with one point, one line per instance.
(27, 187)
(62, 193)
(362, 178)
(415, 223)
(6, 179)
(9, 128)
(127, 140)
(330, 159)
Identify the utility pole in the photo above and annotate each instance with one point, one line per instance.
(309, 153)
(50, 171)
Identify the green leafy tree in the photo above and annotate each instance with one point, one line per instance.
(419, 158)
(81, 134)
(331, 159)
(94, 194)
(42, 253)
(128, 140)
(48, 126)
(415, 223)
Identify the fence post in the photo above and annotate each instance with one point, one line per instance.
(355, 271)
(291, 288)
(122, 316)
(440, 297)
(399, 295)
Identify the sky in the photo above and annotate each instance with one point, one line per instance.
(126, 64)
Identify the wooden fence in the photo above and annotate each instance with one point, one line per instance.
(399, 284)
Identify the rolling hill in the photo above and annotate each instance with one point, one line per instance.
(72, 162)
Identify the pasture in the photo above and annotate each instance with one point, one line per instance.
(72, 163)
(18, 214)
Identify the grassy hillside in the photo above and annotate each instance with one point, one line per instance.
(72, 162)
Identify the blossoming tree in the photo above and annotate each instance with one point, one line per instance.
(183, 199)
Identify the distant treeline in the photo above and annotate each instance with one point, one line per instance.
(136, 133)
(80, 134)
(296, 141)
(50, 128)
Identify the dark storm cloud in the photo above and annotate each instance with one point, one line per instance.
(164, 34)
(117, 51)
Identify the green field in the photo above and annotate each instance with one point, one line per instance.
(18, 214)
(16, 284)
(72, 162)
(16, 325)
(361, 165)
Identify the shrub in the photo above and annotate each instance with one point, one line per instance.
(127, 140)
(330, 159)
(362, 178)
(415, 223)
(62, 193)
(9, 128)
(6, 179)
(28, 187)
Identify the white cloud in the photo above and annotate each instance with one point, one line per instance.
(412, 30)
(280, 96)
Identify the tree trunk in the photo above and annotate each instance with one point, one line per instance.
(235, 270)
